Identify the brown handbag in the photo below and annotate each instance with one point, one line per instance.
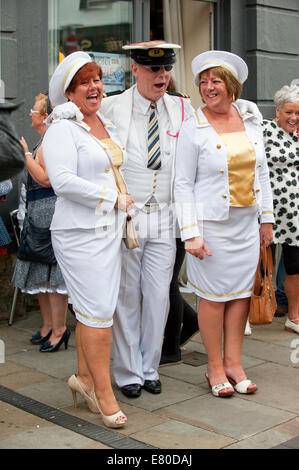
(263, 302)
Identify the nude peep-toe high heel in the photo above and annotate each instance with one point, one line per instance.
(117, 420)
(76, 387)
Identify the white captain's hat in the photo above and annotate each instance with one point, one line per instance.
(225, 59)
(63, 75)
(151, 53)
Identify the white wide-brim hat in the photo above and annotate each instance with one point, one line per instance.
(63, 75)
(225, 59)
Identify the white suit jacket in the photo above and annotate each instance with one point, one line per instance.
(201, 184)
(81, 176)
(118, 108)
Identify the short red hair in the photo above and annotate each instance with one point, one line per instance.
(87, 71)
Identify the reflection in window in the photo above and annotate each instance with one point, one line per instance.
(99, 27)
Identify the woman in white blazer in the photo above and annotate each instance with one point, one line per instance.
(222, 189)
(87, 225)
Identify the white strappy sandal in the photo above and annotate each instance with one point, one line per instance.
(291, 326)
(243, 386)
(219, 389)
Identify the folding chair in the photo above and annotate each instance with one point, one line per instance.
(16, 230)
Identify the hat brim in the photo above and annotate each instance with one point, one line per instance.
(6, 105)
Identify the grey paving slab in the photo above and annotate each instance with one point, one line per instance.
(173, 391)
(15, 341)
(60, 364)
(268, 439)
(8, 368)
(266, 351)
(54, 393)
(272, 333)
(278, 387)
(49, 437)
(177, 435)
(233, 417)
(23, 378)
(185, 373)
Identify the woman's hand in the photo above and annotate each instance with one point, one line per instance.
(266, 234)
(197, 247)
(124, 202)
(24, 144)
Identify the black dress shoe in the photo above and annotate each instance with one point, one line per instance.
(152, 386)
(37, 338)
(131, 390)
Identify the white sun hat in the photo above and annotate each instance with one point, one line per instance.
(63, 75)
(225, 59)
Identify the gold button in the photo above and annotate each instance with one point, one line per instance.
(154, 186)
(259, 165)
(255, 143)
(221, 171)
(155, 179)
(122, 169)
(224, 196)
(153, 192)
(107, 170)
(257, 190)
(218, 146)
(156, 173)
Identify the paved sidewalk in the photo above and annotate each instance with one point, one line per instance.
(36, 408)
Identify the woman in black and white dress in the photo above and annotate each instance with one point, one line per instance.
(282, 151)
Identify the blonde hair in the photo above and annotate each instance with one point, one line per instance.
(42, 99)
(233, 86)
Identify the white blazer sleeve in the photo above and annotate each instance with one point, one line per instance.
(61, 156)
(184, 185)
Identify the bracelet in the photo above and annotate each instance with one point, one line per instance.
(28, 153)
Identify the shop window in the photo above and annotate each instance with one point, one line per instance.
(98, 27)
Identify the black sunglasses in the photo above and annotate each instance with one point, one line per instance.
(156, 68)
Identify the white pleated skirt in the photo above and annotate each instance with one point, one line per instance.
(235, 245)
(91, 270)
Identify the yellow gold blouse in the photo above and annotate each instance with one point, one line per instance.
(241, 160)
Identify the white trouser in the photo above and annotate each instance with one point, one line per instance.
(143, 302)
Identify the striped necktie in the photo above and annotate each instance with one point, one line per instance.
(154, 154)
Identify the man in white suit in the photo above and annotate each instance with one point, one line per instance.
(148, 122)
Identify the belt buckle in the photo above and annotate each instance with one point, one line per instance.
(149, 208)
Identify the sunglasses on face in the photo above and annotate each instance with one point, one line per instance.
(156, 68)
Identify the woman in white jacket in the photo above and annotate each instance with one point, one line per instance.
(88, 222)
(221, 189)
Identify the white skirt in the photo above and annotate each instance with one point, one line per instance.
(234, 243)
(91, 270)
